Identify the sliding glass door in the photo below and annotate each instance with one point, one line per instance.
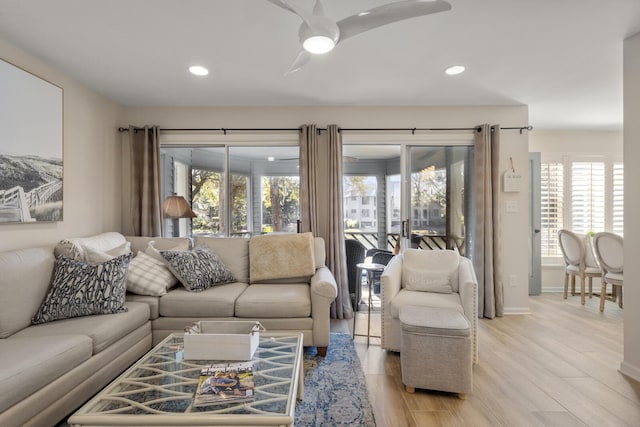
(436, 182)
(418, 194)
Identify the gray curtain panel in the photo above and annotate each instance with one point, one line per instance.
(321, 204)
(487, 234)
(146, 202)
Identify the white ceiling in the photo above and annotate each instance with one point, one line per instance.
(563, 58)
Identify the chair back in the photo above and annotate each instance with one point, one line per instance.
(609, 250)
(354, 251)
(572, 247)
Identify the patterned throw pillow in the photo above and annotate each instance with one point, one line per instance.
(198, 269)
(82, 289)
(148, 276)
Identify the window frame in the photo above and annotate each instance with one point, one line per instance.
(567, 159)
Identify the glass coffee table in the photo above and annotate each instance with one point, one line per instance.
(158, 389)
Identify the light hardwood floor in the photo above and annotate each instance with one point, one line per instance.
(557, 366)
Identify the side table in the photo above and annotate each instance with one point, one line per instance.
(369, 268)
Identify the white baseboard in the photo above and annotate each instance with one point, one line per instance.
(510, 311)
(552, 289)
(630, 370)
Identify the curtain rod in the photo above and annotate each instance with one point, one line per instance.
(412, 130)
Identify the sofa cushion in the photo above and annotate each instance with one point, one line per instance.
(280, 256)
(82, 289)
(275, 300)
(103, 330)
(140, 243)
(28, 364)
(24, 281)
(74, 248)
(424, 299)
(217, 301)
(149, 276)
(441, 261)
(152, 302)
(233, 252)
(198, 269)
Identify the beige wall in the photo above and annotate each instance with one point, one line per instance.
(91, 156)
(631, 363)
(515, 247)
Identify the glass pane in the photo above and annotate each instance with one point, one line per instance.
(207, 190)
(437, 196)
(280, 204)
(367, 207)
(267, 198)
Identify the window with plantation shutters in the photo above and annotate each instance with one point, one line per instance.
(587, 197)
(582, 193)
(618, 198)
(552, 205)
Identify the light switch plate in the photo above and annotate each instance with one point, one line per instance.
(512, 206)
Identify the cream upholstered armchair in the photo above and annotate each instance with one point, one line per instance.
(429, 278)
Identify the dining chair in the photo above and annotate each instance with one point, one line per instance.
(609, 250)
(580, 261)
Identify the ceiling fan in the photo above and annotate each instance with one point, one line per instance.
(319, 34)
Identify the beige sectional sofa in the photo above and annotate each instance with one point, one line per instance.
(50, 369)
(297, 304)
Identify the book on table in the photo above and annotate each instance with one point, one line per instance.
(229, 382)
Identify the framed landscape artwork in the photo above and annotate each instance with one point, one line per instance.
(30, 147)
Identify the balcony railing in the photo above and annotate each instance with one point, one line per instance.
(419, 241)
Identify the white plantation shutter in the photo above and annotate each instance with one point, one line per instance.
(552, 205)
(587, 197)
(618, 199)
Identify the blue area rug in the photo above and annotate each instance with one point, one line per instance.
(335, 392)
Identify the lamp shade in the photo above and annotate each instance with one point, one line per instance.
(177, 207)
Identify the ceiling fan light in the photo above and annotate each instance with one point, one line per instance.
(318, 44)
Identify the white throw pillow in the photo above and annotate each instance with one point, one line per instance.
(148, 276)
(93, 255)
(422, 280)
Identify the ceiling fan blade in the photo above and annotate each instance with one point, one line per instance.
(294, 8)
(302, 58)
(387, 14)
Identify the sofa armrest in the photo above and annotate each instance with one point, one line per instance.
(324, 285)
(468, 290)
(391, 282)
(323, 289)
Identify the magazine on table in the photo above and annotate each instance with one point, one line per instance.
(230, 382)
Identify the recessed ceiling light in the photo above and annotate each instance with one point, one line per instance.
(271, 158)
(364, 13)
(198, 70)
(454, 69)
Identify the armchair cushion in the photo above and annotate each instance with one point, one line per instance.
(435, 265)
(437, 281)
